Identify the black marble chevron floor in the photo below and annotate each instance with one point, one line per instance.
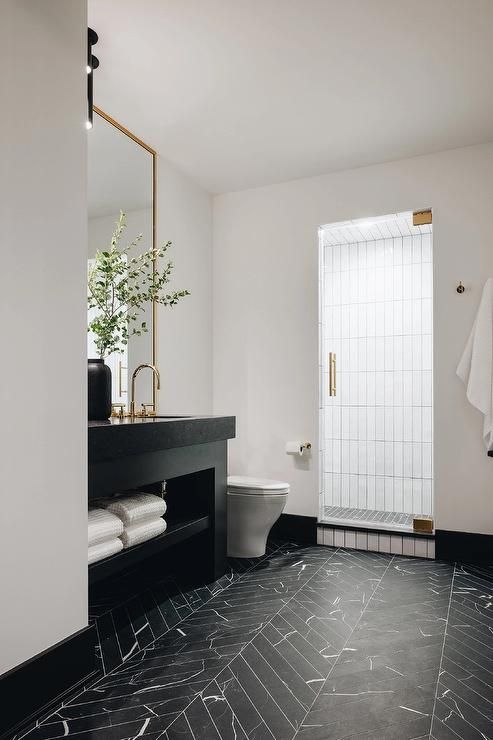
(312, 643)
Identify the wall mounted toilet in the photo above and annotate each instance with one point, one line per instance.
(254, 505)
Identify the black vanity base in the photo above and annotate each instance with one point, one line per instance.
(195, 495)
(33, 688)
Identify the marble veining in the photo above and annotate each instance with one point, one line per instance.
(310, 643)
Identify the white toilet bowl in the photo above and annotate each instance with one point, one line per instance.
(254, 505)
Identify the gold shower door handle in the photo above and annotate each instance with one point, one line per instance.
(332, 373)
(121, 389)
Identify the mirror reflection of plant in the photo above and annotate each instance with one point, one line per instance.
(120, 286)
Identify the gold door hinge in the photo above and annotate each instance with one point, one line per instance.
(421, 218)
(423, 524)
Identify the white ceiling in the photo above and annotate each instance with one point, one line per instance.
(240, 93)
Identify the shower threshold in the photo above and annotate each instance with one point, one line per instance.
(345, 516)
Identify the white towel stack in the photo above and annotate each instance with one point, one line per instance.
(140, 514)
(104, 530)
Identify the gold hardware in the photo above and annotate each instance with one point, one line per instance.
(460, 288)
(148, 413)
(423, 524)
(157, 383)
(153, 153)
(421, 218)
(118, 410)
(306, 445)
(121, 389)
(332, 374)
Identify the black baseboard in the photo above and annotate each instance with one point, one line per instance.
(464, 546)
(31, 689)
(296, 528)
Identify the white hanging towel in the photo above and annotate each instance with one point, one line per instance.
(475, 368)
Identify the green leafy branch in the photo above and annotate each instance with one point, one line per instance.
(120, 286)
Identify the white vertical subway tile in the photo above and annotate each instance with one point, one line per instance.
(407, 495)
(370, 491)
(320, 536)
(380, 493)
(389, 458)
(384, 542)
(353, 491)
(430, 549)
(328, 537)
(426, 424)
(427, 497)
(349, 539)
(362, 540)
(362, 450)
(408, 546)
(380, 423)
(426, 460)
(373, 541)
(398, 460)
(362, 497)
(338, 538)
(380, 353)
(417, 460)
(420, 547)
(396, 544)
(407, 353)
(345, 490)
(427, 321)
(370, 458)
(353, 456)
(380, 458)
(417, 488)
(389, 494)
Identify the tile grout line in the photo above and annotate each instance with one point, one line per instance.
(344, 646)
(443, 648)
(94, 683)
(268, 621)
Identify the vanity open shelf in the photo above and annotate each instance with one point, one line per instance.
(177, 531)
(190, 454)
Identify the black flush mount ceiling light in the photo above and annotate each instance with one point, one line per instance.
(92, 64)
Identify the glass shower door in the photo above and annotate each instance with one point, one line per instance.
(376, 371)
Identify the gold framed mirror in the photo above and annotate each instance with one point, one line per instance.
(122, 176)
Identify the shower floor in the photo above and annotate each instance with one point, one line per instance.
(367, 518)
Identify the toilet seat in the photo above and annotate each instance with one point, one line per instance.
(247, 485)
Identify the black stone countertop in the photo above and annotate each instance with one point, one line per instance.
(121, 437)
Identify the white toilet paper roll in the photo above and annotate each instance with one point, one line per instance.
(295, 448)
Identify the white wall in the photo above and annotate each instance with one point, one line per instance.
(266, 314)
(43, 245)
(184, 332)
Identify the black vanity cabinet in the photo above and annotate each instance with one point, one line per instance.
(190, 454)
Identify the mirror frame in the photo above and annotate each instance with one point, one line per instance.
(153, 154)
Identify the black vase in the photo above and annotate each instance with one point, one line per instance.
(98, 390)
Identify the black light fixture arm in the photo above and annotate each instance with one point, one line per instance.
(92, 64)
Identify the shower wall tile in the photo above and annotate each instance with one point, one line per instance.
(377, 317)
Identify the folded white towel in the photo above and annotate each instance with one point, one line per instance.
(143, 531)
(102, 526)
(475, 368)
(135, 507)
(104, 550)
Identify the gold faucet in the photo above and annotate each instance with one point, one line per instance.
(134, 376)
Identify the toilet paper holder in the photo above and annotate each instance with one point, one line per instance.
(298, 448)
